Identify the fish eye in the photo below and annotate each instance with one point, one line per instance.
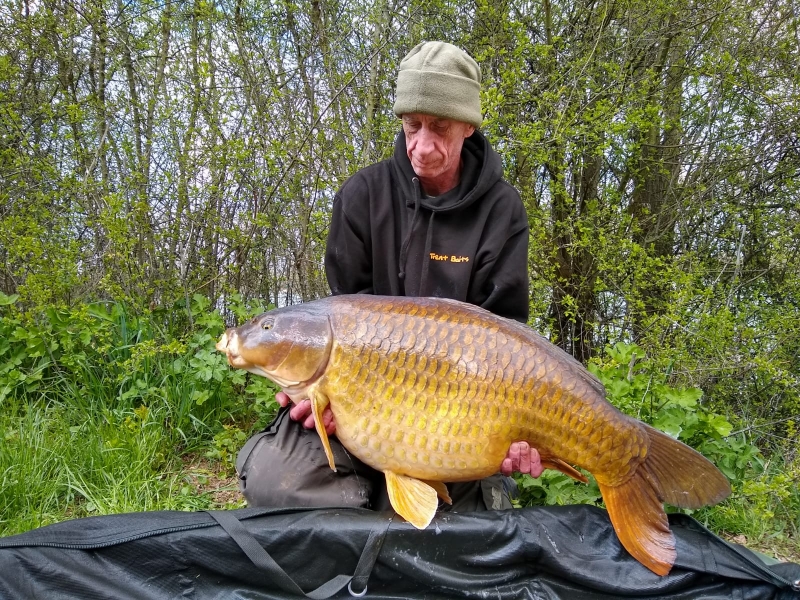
(266, 325)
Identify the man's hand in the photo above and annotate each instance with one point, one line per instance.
(521, 458)
(301, 412)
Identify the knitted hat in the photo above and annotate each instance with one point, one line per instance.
(437, 78)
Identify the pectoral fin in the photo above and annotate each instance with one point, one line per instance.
(414, 500)
(318, 404)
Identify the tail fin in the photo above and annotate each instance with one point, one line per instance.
(672, 472)
(686, 478)
(641, 524)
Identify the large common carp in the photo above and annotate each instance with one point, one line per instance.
(429, 390)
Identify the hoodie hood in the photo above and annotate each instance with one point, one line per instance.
(470, 244)
(482, 169)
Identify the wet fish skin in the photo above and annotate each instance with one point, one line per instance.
(458, 392)
(430, 390)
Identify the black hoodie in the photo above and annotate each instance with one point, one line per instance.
(469, 244)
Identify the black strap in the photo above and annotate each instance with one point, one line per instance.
(357, 583)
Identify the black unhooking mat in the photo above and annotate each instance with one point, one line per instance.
(544, 553)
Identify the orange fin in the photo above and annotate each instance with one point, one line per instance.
(685, 477)
(414, 500)
(441, 490)
(318, 404)
(671, 472)
(641, 524)
(560, 465)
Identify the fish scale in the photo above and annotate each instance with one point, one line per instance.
(436, 352)
(430, 390)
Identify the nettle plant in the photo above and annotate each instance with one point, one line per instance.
(638, 387)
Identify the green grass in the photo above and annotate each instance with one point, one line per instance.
(54, 465)
(59, 460)
(763, 512)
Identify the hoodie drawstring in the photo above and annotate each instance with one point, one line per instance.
(407, 240)
(426, 260)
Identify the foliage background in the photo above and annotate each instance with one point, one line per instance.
(174, 160)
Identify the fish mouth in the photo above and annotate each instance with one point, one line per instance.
(284, 383)
(229, 345)
(222, 344)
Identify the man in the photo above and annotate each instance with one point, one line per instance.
(436, 219)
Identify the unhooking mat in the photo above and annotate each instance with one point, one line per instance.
(544, 553)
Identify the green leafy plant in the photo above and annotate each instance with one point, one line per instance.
(554, 488)
(226, 445)
(98, 405)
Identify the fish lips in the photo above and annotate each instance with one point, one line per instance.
(229, 345)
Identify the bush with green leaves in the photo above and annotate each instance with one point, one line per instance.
(100, 407)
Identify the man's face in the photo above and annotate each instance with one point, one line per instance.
(433, 144)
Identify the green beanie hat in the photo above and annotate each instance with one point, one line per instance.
(437, 78)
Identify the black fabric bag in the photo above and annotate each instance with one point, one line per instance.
(545, 553)
(286, 466)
